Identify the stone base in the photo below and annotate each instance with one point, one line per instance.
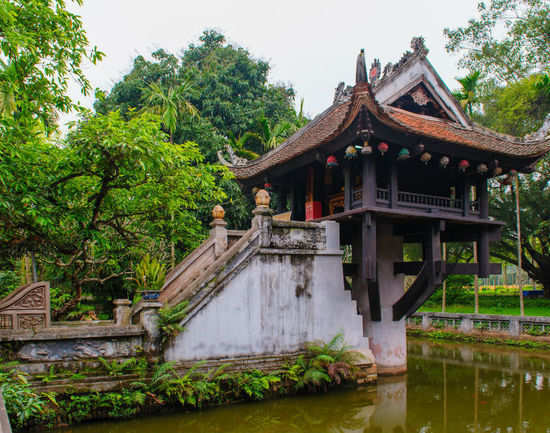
(391, 371)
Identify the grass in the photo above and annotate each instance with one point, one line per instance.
(491, 304)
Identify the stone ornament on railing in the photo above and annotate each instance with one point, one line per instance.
(28, 307)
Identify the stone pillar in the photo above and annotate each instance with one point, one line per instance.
(426, 321)
(515, 327)
(387, 339)
(147, 312)
(122, 312)
(263, 217)
(218, 232)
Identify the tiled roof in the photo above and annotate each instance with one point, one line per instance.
(475, 137)
(333, 121)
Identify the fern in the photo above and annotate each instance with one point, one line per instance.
(169, 319)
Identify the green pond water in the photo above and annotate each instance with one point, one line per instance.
(449, 388)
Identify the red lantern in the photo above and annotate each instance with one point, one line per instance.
(383, 147)
(463, 165)
(332, 161)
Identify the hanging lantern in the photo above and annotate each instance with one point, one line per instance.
(426, 157)
(351, 152)
(255, 190)
(419, 148)
(268, 187)
(332, 161)
(482, 168)
(403, 154)
(444, 161)
(463, 165)
(383, 147)
(366, 149)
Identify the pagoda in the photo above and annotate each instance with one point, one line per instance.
(394, 160)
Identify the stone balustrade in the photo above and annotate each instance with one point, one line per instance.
(468, 323)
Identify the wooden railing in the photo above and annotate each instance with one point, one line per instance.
(411, 199)
(406, 200)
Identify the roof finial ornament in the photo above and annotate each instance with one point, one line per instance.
(418, 46)
(374, 73)
(361, 68)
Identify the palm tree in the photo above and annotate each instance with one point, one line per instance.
(270, 136)
(238, 144)
(169, 103)
(468, 96)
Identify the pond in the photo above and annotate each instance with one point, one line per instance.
(449, 388)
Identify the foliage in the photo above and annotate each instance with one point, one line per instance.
(323, 365)
(150, 273)
(35, 66)
(169, 103)
(105, 198)
(169, 319)
(118, 368)
(510, 55)
(24, 405)
(518, 108)
(468, 95)
(534, 192)
(226, 85)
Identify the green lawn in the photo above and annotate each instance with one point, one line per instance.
(490, 304)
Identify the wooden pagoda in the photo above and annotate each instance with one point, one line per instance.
(397, 151)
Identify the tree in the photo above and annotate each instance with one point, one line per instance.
(42, 46)
(169, 103)
(535, 223)
(95, 205)
(518, 108)
(468, 95)
(520, 51)
(272, 136)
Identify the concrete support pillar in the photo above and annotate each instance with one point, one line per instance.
(387, 338)
(122, 312)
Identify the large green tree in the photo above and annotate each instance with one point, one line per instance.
(518, 108)
(42, 47)
(113, 191)
(507, 41)
(229, 88)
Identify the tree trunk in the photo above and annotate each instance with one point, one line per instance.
(546, 288)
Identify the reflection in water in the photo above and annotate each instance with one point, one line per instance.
(449, 389)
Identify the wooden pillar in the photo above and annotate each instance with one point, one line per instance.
(393, 185)
(432, 251)
(348, 188)
(282, 198)
(483, 253)
(369, 182)
(483, 197)
(466, 197)
(292, 200)
(483, 244)
(368, 264)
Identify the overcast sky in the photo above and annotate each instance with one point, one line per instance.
(309, 44)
